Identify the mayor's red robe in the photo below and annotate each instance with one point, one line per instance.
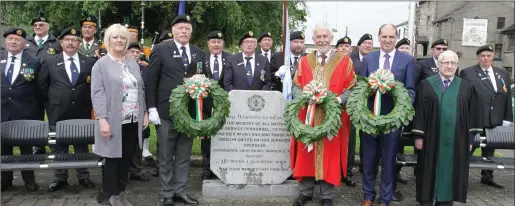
(328, 160)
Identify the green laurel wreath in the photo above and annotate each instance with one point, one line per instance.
(363, 119)
(182, 120)
(307, 134)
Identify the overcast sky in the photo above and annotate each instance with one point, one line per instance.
(359, 17)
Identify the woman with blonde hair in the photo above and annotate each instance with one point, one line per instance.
(118, 100)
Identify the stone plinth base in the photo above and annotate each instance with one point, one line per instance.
(216, 188)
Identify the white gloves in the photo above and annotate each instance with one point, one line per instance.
(153, 116)
(506, 123)
(282, 71)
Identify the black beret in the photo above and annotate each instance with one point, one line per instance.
(16, 31)
(401, 42)
(364, 37)
(484, 48)
(264, 34)
(248, 34)
(89, 19)
(439, 42)
(215, 35)
(41, 16)
(134, 45)
(344, 40)
(181, 19)
(166, 34)
(69, 31)
(296, 35)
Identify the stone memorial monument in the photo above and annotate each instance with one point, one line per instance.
(251, 154)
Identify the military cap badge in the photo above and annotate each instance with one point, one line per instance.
(19, 32)
(302, 35)
(269, 34)
(170, 34)
(42, 18)
(187, 18)
(126, 26)
(445, 41)
(490, 47)
(219, 35)
(370, 36)
(345, 40)
(251, 33)
(73, 31)
(89, 18)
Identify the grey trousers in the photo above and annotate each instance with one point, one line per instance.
(307, 188)
(174, 159)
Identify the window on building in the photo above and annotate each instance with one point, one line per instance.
(498, 51)
(500, 22)
(511, 41)
(428, 21)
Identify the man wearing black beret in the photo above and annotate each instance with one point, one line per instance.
(430, 64)
(343, 45)
(403, 45)
(365, 45)
(265, 43)
(494, 95)
(19, 97)
(297, 50)
(170, 63)
(62, 94)
(42, 44)
(246, 70)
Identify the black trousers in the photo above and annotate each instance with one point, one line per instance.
(430, 203)
(116, 170)
(135, 166)
(352, 150)
(486, 175)
(27, 175)
(62, 174)
(205, 147)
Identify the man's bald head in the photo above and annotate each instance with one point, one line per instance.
(387, 37)
(388, 27)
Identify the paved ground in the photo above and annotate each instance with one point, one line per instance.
(147, 194)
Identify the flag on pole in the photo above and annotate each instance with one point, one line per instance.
(287, 81)
(182, 8)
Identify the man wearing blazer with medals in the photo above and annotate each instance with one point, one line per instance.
(265, 45)
(20, 97)
(88, 44)
(215, 63)
(64, 81)
(247, 70)
(494, 94)
(297, 50)
(170, 63)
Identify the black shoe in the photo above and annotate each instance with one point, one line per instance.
(397, 196)
(87, 183)
(348, 181)
(57, 185)
(168, 201)
(349, 173)
(327, 202)
(400, 179)
(492, 183)
(302, 200)
(361, 169)
(186, 199)
(103, 198)
(139, 177)
(6, 186)
(31, 186)
(155, 172)
(207, 175)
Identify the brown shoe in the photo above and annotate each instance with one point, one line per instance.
(382, 204)
(367, 203)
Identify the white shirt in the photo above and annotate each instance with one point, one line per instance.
(492, 76)
(268, 54)
(252, 62)
(188, 51)
(212, 63)
(436, 62)
(67, 64)
(45, 38)
(443, 79)
(17, 65)
(327, 56)
(360, 57)
(382, 58)
(86, 43)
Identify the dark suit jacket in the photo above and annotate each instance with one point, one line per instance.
(258, 52)
(403, 70)
(428, 68)
(51, 47)
(235, 76)
(358, 65)
(21, 100)
(208, 101)
(495, 106)
(166, 72)
(63, 100)
(276, 62)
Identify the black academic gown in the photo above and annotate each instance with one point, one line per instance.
(434, 124)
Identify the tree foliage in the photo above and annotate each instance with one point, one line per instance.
(233, 18)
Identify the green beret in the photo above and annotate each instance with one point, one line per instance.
(215, 35)
(296, 35)
(344, 40)
(484, 48)
(16, 31)
(41, 16)
(181, 19)
(248, 34)
(401, 42)
(69, 31)
(264, 34)
(364, 37)
(439, 42)
(89, 19)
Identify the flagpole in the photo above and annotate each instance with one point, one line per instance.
(285, 21)
(411, 26)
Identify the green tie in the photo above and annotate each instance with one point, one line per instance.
(40, 43)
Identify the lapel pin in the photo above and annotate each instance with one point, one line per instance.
(257, 64)
(3, 61)
(59, 63)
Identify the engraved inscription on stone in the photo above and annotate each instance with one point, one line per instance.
(253, 147)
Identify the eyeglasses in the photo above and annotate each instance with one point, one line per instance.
(450, 63)
(441, 49)
(14, 39)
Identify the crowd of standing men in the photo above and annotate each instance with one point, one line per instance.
(54, 74)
